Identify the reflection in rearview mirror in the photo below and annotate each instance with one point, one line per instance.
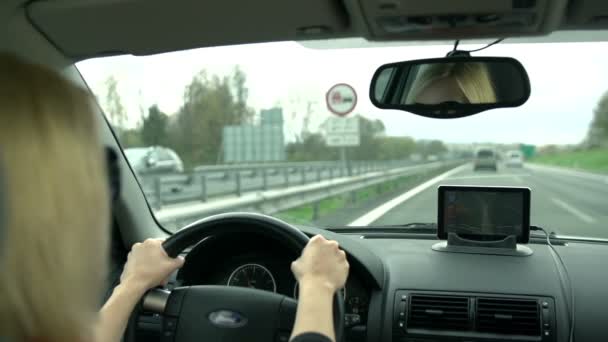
(450, 87)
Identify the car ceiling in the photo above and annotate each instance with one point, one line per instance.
(87, 28)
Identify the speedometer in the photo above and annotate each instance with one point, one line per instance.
(254, 276)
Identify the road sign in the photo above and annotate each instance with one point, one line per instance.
(341, 99)
(336, 125)
(343, 140)
(528, 150)
(342, 131)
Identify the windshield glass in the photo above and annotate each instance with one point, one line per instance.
(289, 130)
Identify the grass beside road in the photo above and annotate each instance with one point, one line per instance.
(588, 160)
(305, 214)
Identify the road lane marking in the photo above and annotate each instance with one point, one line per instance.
(381, 210)
(572, 210)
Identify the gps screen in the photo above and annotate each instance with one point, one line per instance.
(485, 213)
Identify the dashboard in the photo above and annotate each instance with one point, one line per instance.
(400, 289)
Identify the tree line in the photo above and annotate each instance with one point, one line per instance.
(597, 136)
(211, 102)
(597, 133)
(374, 145)
(194, 132)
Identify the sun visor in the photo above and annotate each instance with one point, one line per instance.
(82, 29)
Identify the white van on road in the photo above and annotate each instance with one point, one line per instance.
(485, 158)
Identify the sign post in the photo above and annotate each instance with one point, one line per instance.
(342, 131)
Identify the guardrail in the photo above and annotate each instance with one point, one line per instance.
(272, 201)
(232, 168)
(223, 180)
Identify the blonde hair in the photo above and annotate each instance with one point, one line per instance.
(473, 80)
(54, 248)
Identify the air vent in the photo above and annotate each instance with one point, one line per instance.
(508, 316)
(438, 313)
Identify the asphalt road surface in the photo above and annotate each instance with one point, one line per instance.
(568, 203)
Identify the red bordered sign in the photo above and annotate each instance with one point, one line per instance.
(341, 99)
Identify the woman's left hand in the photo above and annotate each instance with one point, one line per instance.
(148, 265)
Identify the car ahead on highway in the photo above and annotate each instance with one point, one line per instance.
(514, 158)
(154, 160)
(225, 89)
(485, 159)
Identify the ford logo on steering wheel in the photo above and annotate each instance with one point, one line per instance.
(227, 319)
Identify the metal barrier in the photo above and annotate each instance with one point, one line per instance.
(273, 201)
(221, 180)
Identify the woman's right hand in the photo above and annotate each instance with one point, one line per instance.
(322, 263)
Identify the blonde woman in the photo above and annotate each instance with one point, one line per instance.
(56, 229)
(54, 244)
(466, 82)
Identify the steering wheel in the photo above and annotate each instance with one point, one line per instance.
(222, 313)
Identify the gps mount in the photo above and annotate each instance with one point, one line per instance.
(507, 246)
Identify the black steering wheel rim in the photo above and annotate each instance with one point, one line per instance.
(238, 222)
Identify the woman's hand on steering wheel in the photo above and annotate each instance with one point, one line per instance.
(148, 265)
(321, 270)
(321, 264)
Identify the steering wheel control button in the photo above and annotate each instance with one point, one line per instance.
(170, 324)
(352, 319)
(227, 319)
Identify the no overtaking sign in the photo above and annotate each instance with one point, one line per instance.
(341, 99)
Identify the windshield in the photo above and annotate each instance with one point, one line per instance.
(288, 130)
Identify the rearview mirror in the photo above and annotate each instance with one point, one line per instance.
(450, 87)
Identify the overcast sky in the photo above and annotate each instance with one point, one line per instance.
(567, 80)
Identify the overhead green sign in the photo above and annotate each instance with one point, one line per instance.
(528, 150)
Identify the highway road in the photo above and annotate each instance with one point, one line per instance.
(569, 203)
